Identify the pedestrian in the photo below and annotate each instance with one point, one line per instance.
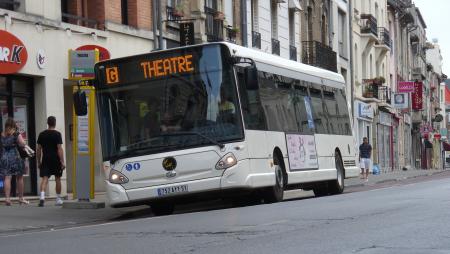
(365, 151)
(50, 159)
(10, 161)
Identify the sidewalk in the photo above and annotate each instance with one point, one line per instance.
(16, 218)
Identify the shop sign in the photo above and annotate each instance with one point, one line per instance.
(365, 110)
(13, 54)
(302, 151)
(406, 86)
(385, 119)
(41, 59)
(187, 34)
(443, 132)
(417, 100)
(104, 53)
(401, 100)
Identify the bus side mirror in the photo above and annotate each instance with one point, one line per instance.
(251, 77)
(79, 103)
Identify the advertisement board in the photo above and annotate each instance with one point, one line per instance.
(406, 86)
(401, 100)
(302, 151)
(417, 100)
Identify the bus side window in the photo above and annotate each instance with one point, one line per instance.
(251, 105)
(318, 111)
(343, 112)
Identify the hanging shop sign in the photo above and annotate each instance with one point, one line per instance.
(417, 100)
(13, 54)
(364, 110)
(187, 34)
(104, 53)
(401, 100)
(406, 86)
(81, 64)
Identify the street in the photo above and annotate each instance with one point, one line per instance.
(410, 218)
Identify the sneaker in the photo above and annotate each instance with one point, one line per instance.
(41, 203)
(59, 202)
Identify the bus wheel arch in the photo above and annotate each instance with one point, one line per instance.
(337, 186)
(275, 193)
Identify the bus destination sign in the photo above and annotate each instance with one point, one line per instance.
(167, 66)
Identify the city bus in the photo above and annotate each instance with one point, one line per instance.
(220, 120)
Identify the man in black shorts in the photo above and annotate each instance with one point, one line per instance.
(50, 159)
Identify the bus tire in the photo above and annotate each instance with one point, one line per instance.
(162, 208)
(275, 193)
(337, 186)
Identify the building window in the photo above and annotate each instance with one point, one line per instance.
(124, 11)
(255, 25)
(292, 27)
(211, 4)
(342, 35)
(274, 19)
(9, 5)
(310, 24)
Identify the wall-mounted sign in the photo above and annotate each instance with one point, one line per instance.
(401, 100)
(301, 151)
(406, 86)
(417, 100)
(364, 110)
(187, 34)
(81, 64)
(104, 53)
(13, 54)
(41, 59)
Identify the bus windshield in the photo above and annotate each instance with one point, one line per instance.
(167, 101)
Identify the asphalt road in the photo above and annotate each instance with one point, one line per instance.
(410, 218)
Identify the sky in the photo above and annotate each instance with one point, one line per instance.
(435, 14)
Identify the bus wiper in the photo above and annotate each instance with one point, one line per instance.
(182, 133)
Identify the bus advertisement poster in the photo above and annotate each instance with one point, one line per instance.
(302, 152)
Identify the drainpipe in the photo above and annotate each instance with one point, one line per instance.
(161, 43)
(155, 25)
(352, 77)
(244, 22)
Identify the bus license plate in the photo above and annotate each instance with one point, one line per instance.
(172, 190)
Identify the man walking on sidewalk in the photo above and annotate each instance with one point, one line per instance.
(365, 151)
(50, 159)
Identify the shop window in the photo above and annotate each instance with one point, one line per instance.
(3, 86)
(318, 111)
(11, 5)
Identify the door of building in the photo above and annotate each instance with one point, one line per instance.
(16, 101)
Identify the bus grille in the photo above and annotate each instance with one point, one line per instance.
(350, 163)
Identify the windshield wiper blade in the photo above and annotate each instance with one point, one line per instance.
(182, 133)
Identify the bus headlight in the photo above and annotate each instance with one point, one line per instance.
(228, 160)
(117, 177)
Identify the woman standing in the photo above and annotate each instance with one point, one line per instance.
(10, 163)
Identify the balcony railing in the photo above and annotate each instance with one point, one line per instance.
(317, 54)
(384, 37)
(369, 24)
(256, 39)
(172, 14)
(275, 46)
(384, 94)
(293, 53)
(371, 90)
(214, 27)
(78, 20)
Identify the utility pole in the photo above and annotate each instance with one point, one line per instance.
(244, 22)
(161, 43)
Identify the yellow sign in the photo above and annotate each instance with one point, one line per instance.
(167, 66)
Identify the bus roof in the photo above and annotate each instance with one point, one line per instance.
(277, 61)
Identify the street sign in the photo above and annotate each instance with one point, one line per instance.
(187, 34)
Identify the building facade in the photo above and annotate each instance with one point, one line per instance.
(48, 29)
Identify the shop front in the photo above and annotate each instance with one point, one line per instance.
(17, 101)
(384, 140)
(364, 119)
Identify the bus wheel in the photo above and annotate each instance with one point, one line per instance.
(162, 208)
(337, 186)
(275, 193)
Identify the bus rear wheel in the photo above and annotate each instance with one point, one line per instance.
(275, 193)
(162, 208)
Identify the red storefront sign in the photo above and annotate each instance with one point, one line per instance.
(13, 54)
(417, 100)
(104, 53)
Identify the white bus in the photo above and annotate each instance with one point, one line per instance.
(217, 120)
